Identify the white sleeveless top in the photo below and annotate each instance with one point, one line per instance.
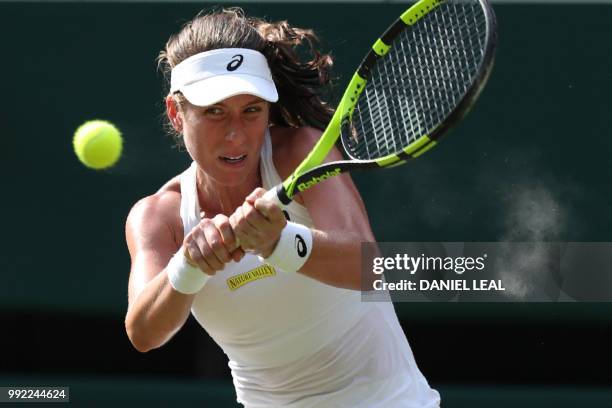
(295, 342)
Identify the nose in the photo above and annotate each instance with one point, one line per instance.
(234, 136)
(230, 136)
(234, 132)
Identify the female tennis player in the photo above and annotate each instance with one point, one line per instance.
(276, 290)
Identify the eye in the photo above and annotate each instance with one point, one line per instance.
(253, 109)
(213, 111)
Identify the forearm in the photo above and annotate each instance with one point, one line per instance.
(335, 259)
(156, 314)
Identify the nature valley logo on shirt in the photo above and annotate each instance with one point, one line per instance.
(263, 271)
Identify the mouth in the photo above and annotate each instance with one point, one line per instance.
(233, 159)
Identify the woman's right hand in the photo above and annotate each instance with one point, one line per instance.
(211, 244)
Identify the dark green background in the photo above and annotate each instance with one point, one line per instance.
(537, 143)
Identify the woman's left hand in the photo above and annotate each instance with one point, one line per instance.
(258, 223)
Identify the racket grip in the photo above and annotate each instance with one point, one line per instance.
(272, 195)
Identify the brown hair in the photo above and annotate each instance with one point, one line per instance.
(299, 83)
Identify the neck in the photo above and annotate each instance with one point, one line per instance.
(217, 198)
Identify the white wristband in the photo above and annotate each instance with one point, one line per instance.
(293, 248)
(183, 276)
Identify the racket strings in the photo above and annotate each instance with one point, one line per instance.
(413, 89)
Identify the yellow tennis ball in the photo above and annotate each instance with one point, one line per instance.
(98, 144)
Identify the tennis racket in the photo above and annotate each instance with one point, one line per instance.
(417, 81)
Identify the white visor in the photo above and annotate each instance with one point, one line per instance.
(212, 76)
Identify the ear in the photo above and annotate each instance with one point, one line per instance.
(172, 110)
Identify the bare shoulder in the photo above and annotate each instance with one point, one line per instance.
(290, 146)
(156, 217)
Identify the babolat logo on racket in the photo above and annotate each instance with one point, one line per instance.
(300, 246)
(235, 62)
(315, 180)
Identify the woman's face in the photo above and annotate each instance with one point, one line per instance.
(225, 139)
